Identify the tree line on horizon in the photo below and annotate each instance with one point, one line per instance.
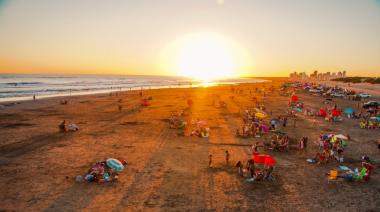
(372, 80)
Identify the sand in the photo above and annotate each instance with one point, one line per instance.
(166, 171)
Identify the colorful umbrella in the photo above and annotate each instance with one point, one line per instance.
(294, 98)
(260, 115)
(375, 118)
(322, 112)
(348, 110)
(115, 164)
(336, 113)
(341, 136)
(264, 159)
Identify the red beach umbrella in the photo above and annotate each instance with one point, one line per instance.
(322, 112)
(264, 159)
(336, 113)
(294, 98)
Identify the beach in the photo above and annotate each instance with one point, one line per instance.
(167, 171)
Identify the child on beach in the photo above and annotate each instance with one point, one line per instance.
(210, 161)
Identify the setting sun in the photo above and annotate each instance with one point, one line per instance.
(205, 56)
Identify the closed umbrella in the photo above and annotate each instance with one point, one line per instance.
(115, 164)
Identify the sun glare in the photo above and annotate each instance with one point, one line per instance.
(204, 56)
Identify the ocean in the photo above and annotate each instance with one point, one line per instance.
(23, 87)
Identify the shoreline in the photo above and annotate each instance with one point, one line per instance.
(18, 100)
(53, 100)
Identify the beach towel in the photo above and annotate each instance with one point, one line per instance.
(72, 127)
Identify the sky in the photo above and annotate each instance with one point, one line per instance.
(146, 37)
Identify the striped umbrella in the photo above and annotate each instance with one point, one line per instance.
(115, 164)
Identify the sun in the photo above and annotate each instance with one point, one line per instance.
(205, 56)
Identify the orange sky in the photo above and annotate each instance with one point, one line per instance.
(266, 38)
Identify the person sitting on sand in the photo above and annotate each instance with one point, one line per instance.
(363, 124)
(250, 166)
(62, 126)
(239, 166)
(284, 144)
(324, 157)
(274, 145)
(204, 132)
(268, 170)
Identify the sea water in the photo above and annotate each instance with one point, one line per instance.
(24, 87)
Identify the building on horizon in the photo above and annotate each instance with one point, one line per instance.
(315, 75)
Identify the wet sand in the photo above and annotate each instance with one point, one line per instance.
(166, 171)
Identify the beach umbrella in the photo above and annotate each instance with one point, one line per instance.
(264, 159)
(322, 112)
(115, 164)
(260, 115)
(336, 113)
(341, 136)
(375, 118)
(294, 98)
(269, 161)
(348, 110)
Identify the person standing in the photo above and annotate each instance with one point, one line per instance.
(285, 122)
(210, 161)
(227, 157)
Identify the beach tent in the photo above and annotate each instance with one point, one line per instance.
(322, 112)
(348, 111)
(294, 98)
(336, 113)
